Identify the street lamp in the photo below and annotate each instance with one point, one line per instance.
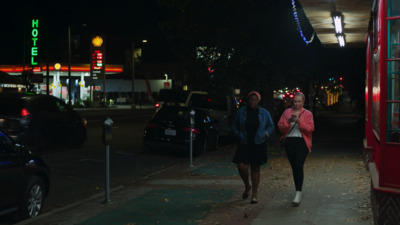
(69, 65)
(137, 53)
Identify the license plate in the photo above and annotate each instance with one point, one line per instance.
(170, 132)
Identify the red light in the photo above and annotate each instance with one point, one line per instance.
(291, 96)
(194, 130)
(340, 78)
(283, 95)
(24, 112)
(157, 105)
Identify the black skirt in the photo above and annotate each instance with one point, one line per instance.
(251, 154)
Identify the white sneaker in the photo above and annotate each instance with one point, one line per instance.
(297, 199)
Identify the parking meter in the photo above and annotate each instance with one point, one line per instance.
(192, 112)
(107, 130)
(107, 137)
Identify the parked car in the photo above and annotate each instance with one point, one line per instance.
(170, 97)
(39, 121)
(220, 108)
(24, 180)
(170, 129)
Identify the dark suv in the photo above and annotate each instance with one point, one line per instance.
(39, 121)
(24, 180)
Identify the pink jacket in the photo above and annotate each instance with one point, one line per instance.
(306, 125)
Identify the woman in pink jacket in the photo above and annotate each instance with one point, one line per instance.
(297, 125)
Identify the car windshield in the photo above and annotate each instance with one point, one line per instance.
(172, 95)
(200, 101)
(172, 113)
(209, 102)
(180, 115)
(219, 103)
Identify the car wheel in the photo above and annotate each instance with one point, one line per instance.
(32, 200)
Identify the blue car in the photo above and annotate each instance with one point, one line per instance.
(24, 180)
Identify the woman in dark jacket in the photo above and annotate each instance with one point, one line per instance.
(252, 126)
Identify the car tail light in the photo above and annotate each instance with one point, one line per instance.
(194, 130)
(24, 117)
(24, 112)
(152, 125)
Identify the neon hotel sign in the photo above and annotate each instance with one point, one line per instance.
(35, 41)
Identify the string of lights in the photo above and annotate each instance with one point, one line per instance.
(296, 18)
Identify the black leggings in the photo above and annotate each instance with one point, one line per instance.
(296, 151)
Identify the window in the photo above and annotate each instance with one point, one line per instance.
(393, 8)
(61, 106)
(393, 74)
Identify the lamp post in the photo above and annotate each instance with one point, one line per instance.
(133, 106)
(69, 66)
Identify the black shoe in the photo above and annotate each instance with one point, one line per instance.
(245, 195)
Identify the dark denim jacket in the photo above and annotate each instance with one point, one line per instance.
(265, 128)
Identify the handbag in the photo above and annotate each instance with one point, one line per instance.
(282, 142)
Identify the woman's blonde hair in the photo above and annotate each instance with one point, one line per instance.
(301, 95)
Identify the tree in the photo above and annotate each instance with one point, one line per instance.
(257, 42)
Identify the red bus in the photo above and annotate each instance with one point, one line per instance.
(382, 98)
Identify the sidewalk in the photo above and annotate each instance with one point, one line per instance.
(336, 189)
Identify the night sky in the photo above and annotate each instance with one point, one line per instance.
(121, 21)
(124, 21)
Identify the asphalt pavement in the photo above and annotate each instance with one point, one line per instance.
(336, 187)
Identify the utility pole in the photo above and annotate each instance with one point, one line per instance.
(133, 106)
(69, 66)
